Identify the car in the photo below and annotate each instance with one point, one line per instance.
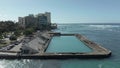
(16, 42)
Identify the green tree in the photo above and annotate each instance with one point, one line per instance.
(17, 33)
(13, 38)
(7, 26)
(1, 38)
(28, 31)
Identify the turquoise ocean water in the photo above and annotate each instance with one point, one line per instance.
(108, 35)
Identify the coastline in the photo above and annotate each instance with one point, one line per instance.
(98, 51)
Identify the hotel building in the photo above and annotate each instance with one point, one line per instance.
(35, 20)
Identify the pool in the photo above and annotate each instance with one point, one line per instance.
(65, 44)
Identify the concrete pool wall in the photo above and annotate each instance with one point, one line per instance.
(98, 51)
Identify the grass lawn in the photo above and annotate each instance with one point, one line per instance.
(5, 43)
(2, 45)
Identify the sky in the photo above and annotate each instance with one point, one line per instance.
(63, 11)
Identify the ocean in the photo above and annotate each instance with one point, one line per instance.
(107, 35)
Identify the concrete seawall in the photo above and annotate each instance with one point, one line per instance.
(55, 56)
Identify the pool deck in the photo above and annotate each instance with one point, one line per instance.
(98, 51)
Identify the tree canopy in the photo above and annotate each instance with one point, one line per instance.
(6, 26)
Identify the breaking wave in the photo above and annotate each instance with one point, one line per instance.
(104, 26)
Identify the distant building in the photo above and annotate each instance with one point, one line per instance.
(21, 21)
(35, 20)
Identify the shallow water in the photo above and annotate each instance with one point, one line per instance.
(67, 44)
(107, 35)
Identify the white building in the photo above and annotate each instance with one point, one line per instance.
(35, 20)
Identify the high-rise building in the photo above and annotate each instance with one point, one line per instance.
(48, 15)
(21, 21)
(35, 20)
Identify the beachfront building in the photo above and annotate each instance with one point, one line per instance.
(35, 20)
(44, 18)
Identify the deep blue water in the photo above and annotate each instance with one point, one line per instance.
(107, 35)
(67, 44)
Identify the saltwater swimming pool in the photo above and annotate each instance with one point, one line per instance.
(63, 44)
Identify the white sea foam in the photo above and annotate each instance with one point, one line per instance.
(104, 26)
(2, 64)
(100, 66)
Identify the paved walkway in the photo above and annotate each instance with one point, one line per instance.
(7, 53)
